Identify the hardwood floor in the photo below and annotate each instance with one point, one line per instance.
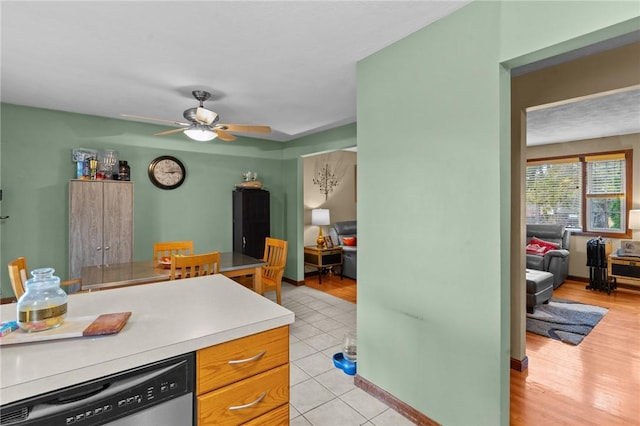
(594, 383)
(345, 289)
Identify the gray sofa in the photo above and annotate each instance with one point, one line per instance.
(554, 261)
(350, 253)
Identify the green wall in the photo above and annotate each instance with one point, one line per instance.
(36, 149)
(434, 201)
(429, 322)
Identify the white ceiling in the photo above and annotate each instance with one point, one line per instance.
(609, 114)
(287, 64)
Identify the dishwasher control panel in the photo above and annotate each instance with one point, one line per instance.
(103, 400)
(131, 401)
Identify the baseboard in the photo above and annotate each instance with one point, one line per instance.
(619, 284)
(520, 365)
(294, 282)
(628, 286)
(401, 407)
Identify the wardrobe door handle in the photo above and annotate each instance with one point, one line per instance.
(251, 404)
(253, 358)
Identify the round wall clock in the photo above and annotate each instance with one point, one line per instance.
(167, 172)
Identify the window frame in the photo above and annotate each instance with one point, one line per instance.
(628, 157)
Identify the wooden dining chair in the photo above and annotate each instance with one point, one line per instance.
(18, 275)
(195, 265)
(169, 248)
(275, 254)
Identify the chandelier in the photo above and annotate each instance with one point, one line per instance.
(326, 176)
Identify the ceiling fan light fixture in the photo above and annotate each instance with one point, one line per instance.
(200, 133)
(206, 116)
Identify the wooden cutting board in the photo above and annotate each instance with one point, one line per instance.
(94, 325)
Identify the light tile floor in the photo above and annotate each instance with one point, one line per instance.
(321, 394)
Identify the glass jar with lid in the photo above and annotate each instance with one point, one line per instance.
(44, 304)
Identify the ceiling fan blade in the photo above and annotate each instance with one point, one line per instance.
(142, 117)
(224, 136)
(244, 128)
(168, 132)
(205, 116)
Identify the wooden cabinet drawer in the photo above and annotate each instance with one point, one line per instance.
(230, 362)
(279, 416)
(245, 400)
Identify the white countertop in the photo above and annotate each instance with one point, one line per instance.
(168, 319)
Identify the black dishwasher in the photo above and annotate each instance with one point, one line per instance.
(155, 394)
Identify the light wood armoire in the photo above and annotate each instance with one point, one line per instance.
(100, 223)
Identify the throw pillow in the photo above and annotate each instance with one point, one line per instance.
(538, 246)
(536, 249)
(349, 241)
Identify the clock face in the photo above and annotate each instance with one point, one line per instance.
(167, 172)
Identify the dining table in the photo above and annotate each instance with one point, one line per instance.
(101, 277)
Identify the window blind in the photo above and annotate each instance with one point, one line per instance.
(553, 192)
(605, 193)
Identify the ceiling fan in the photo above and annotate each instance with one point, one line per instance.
(203, 123)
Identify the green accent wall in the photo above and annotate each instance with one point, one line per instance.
(434, 200)
(429, 210)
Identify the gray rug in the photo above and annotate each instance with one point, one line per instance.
(564, 320)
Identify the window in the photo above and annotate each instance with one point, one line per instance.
(590, 193)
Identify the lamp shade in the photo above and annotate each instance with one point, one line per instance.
(320, 217)
(634, 219)
(200, 133)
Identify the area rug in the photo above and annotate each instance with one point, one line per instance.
(564, 320)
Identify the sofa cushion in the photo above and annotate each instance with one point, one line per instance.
(346, 228)
(535, 262)
(349, 241)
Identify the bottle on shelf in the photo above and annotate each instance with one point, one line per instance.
(93, 168)
(124, 171)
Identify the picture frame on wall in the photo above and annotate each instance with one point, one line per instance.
(328, 241)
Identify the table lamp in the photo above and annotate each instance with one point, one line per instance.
(320, 217)
(634, 219)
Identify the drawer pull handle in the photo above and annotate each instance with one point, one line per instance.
(251, 404)
(253, 358)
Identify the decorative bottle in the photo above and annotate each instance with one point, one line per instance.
(44, 304)
(124, 171)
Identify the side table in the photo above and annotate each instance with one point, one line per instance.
(323, 258)
(624, 267)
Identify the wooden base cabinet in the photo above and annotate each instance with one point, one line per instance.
(245, 381)
(100, 223)
(627, 268)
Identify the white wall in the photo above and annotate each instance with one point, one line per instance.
(341, 202)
